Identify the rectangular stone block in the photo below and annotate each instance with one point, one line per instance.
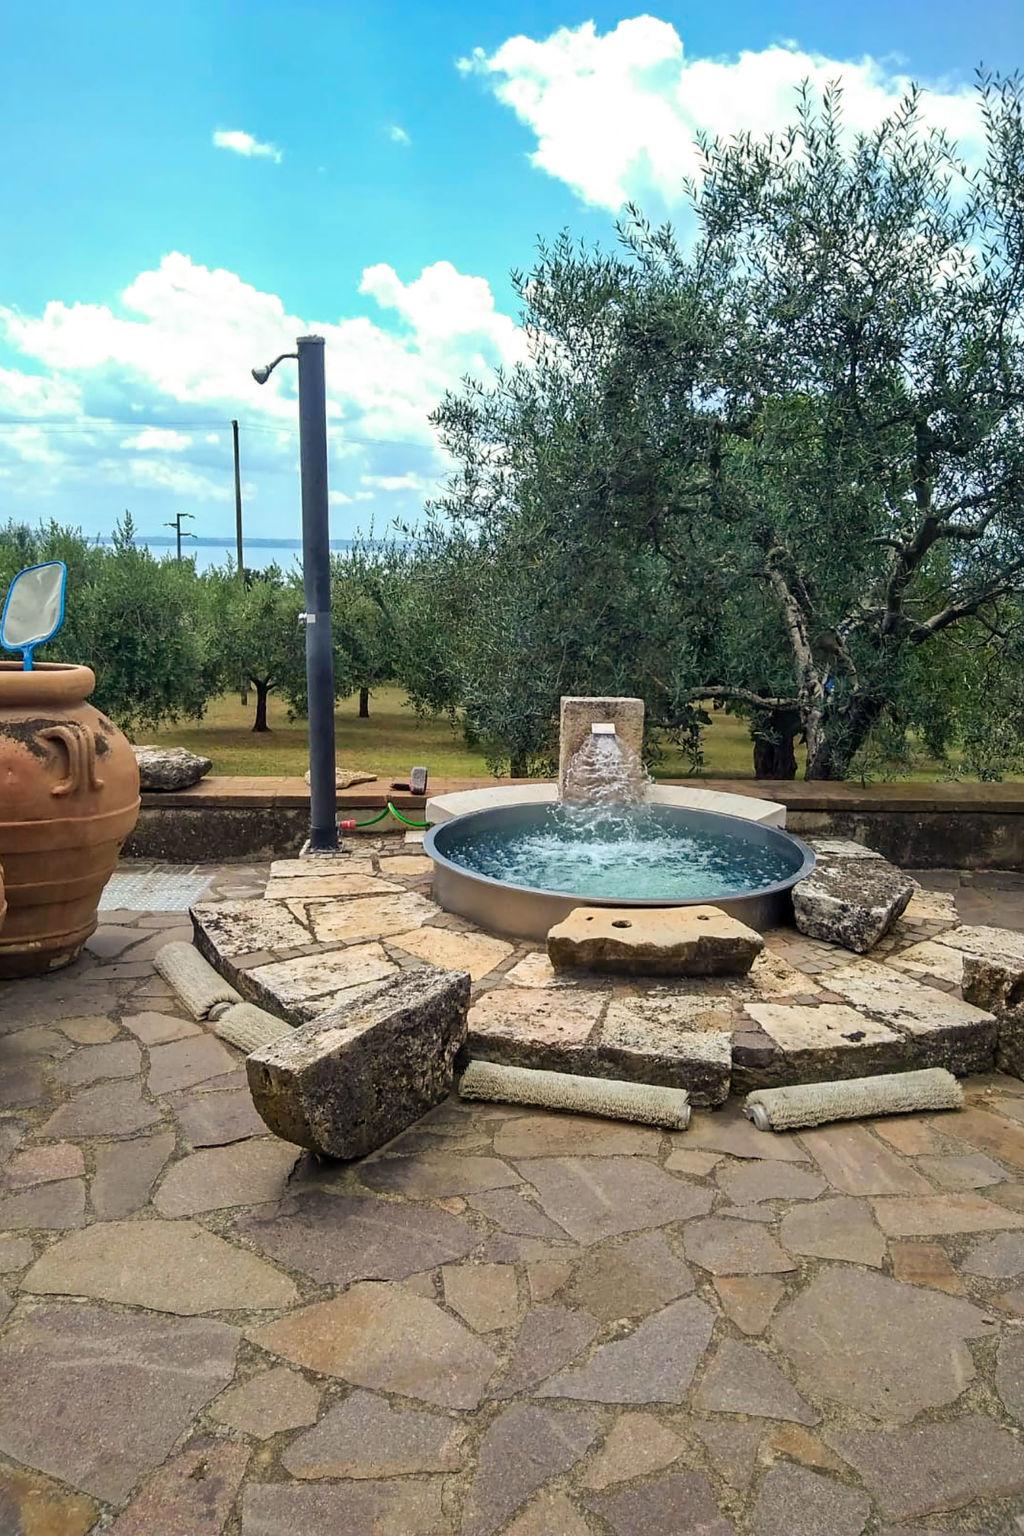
(654, 941)
(1010, 1042)
(851, 901)
(579, 714)
(817, 1044)
(993, 974)
(358, 1075)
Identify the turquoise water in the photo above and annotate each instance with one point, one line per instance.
(646, 854)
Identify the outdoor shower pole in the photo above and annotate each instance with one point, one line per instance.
(316, 576)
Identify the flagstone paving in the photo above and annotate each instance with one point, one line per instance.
(506, 1323)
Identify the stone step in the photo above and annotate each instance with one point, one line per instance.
(654, 941)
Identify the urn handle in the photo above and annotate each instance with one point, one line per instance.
(79, 743)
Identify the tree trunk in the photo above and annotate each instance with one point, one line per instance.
(840, 738)
(364, 703)
(262, 694)
(773, 733)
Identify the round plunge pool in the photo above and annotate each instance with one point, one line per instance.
(519, 869)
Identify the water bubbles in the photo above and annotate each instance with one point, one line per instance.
(639, 853)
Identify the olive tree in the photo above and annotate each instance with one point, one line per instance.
(795, 440)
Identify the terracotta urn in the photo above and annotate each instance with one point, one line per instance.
(69, 796)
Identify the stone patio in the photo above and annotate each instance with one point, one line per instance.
(505, 1322)
(328, 930)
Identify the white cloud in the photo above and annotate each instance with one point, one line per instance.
(408, 482)
(398, 135)
(344, 499)
(241, 143)
(159, 440)
(615, 114)
(177, 348)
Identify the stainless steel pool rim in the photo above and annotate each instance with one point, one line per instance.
(520, 911)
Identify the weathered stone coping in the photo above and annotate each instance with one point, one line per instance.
(795, 794)
(920, 826)
(463, 802)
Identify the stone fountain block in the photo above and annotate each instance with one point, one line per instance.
(579, 714)
(359, 1074)
(851, 899)
(654, 941)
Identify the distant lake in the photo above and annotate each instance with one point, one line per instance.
(217, 551)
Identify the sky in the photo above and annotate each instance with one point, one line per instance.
(187, 187)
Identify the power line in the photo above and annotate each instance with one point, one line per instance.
(59, 424)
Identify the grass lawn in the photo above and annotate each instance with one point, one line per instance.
(393, 739)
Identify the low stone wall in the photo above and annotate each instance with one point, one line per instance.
(941, 839)
(212, 834)
(919, 826)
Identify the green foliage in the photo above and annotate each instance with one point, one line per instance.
(139, 623)
(773, 469)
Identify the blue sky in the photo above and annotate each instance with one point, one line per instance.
(384, 167)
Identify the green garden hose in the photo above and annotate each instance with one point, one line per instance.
(350, 825)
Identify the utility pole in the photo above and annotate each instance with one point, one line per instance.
(238, 505)
(243, 692)
(178, 531)
(316, 577)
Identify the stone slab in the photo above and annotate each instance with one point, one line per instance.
(636, 1445)
(593, 1198)
(243, 1173)
(804, 1503)
(384, 1338)
(550, 1338)
(357, 1076)
(151, 1375)
(301, 989)
(734, 1248)
(126, 1172)
(841, 1228)
(742, 1379)
(670, 1042)
(887, 1350)
(524, 1447)
(659, 941)
(749, 1300)
(856, 1163)
(193, 1492)
(167, 1266)
(367, 1437)
(817, 1044)
(946, 1032)
(630, 1277)
(268, 1403)
(109, 1109)
(655, 1364)
(484, 1295)
(930, 1468)
(228, 928)
(170, 768)
(993, 964)
(32, 1505)
(396, 1507)
(373, 917)
(667, 1505)
(339, 1238)
(477, 953)
(851, 901)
